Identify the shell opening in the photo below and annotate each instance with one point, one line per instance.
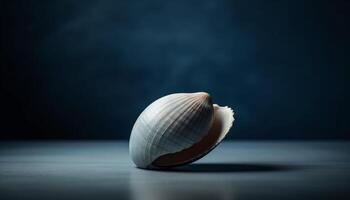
(222, 122)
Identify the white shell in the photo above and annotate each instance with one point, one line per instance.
(178, 129)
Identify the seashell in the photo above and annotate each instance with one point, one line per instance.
(178, 129)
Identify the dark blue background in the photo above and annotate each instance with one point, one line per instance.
(86, 69)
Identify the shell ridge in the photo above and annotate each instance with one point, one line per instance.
(201, 121)
(191, 118)
(200, 112)
(178, 131)
(181, 108)
(176, 121)
(205, 122)
(172, 103)
(163, 102)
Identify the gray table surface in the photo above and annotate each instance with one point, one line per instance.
(235, 170)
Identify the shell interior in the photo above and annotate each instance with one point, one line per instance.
(222, 122)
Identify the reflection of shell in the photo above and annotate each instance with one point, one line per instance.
(178, 129)
(146, 185)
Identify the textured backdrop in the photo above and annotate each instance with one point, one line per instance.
(86, 69)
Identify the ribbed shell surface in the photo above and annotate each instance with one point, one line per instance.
(170, 124)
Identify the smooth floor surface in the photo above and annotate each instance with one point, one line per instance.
(234, 170)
